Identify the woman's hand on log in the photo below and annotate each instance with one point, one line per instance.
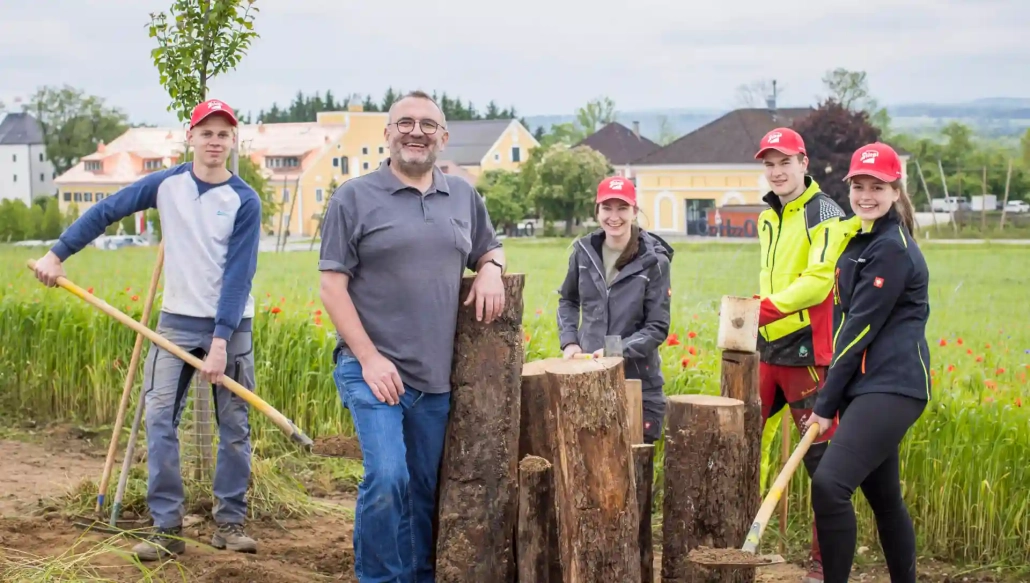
(570, 350)
(382, 377)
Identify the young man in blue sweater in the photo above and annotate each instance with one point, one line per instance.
(211, 225)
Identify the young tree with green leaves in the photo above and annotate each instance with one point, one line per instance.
(505, 200)
(197, 41)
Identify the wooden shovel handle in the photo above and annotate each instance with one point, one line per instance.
(769, 504)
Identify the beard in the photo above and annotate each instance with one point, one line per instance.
(414, 164)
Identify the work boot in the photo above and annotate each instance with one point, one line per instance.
(231, 536)
(162, 543)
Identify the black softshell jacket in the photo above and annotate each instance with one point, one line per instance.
(880, 309)
(635, 307)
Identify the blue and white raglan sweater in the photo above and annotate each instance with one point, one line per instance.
(211, 234)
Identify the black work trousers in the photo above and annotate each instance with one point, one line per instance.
(864, 453)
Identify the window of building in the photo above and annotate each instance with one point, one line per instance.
(318, 195)
(16, 178)
(282, 162)
(41, 156)
(94, 165)
(364, 150)
(152, 164)
(381, 149)
(516, 154)
(67, 197)
(364, 165)
(78, 197)
(87, 196)
(14, 157)
(42, 177)
(344, 165)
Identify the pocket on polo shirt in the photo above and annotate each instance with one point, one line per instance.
(462, 236)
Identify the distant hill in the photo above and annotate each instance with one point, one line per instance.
(990, 117)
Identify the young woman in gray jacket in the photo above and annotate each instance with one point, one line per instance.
(619, 282)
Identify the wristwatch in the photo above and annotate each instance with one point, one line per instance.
(494, 261)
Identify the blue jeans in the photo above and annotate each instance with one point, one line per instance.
(402, 446)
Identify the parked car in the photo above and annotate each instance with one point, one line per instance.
(1017, 206)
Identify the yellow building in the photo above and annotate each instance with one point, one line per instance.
(297, 158)
(711, 174)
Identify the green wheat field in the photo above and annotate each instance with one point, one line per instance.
(964, 465)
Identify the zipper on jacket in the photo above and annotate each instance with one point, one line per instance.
(864, 353)
(598, 269)
(768, 251)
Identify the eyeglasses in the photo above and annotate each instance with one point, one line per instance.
(406, 125)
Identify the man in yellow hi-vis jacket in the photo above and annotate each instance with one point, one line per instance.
(799, 252)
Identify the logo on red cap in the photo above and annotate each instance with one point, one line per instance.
(783, 140)
(617, 187)
(877, 160)
(209, 107)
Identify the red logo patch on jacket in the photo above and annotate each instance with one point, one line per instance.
(878, 282)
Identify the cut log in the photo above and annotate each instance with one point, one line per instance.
(635, 405)
(643, 472)
(478, 501)
(705, 503)
(598, 518)
(537, 541)
(740, 381)
(536, 432)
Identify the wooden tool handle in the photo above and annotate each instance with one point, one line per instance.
(257, 402)
(769, 504)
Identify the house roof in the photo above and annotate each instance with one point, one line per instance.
(730, 139)
(619, 144)
(20, 129)
(122, 158)
(470, 141)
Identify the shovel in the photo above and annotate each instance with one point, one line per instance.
(251, 397)
(747, 556)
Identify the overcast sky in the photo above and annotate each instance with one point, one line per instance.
(543, 56)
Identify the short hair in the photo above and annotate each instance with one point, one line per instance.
(419, 94)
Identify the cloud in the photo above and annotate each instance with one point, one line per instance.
(542, 56)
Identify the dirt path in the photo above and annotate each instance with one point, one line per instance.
(289, 551)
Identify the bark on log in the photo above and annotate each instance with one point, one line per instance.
(635, 405)
(537, 541)
(536, 433)
(705, 502)
(740, 380)
(478, 499)
(643, 472)
(596, 490)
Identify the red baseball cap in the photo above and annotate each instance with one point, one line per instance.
(209, 107)
(617, 187)
(877, 160)
(784, 140)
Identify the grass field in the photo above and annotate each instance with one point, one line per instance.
(964, 465)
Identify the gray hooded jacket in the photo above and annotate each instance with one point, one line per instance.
(635, 307)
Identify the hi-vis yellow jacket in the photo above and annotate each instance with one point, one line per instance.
(799, 247)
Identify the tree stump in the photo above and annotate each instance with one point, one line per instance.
(598, 518)
(478, 475)
(536, 431)
(537, 540)
(643, 471)
(740, 381)
(705, 495)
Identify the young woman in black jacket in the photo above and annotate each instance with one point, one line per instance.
(618, 281)
(878, 383)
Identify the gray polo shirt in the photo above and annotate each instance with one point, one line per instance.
(405, 254)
